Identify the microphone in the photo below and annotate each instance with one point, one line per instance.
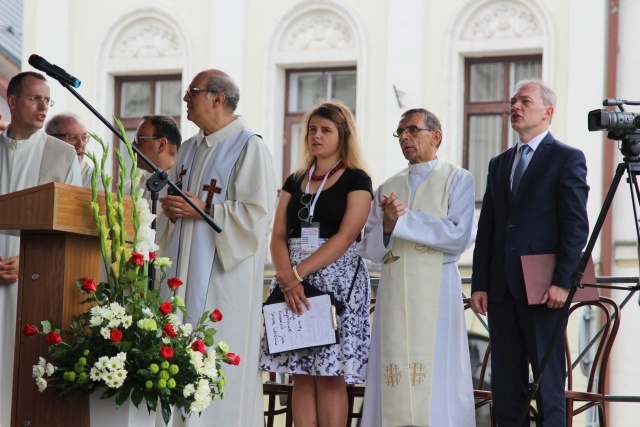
(53, 70)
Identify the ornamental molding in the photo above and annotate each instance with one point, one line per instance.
(502, 20)
(318, 30)
(147, 38)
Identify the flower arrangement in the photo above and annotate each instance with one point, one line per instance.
(129, 343)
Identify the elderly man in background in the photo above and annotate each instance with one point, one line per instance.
(68, 128)
(421, 221)
(28, 157)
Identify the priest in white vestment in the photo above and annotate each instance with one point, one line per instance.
(421, 221)
(227, 171)
(28, 157)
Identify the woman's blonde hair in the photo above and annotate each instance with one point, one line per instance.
(348, 145)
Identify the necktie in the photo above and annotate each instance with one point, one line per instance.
(520, 167)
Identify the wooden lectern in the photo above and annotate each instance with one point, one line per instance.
(58, 245)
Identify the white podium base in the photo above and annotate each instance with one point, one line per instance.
(105, 414)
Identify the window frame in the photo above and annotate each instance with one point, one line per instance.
(293, 117)
(131, 123)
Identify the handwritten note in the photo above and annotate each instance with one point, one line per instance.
(286, 330)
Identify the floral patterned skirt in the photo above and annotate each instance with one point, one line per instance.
(349, 357)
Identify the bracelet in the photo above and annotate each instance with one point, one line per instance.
(295, 273)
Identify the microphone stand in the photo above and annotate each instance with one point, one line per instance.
(156, 181)
(632, 166)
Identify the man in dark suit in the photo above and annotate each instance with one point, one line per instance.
(535, 203)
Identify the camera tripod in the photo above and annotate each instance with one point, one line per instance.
(630, 165)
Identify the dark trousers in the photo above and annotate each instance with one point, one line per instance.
(519, 335)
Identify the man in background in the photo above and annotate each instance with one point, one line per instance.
(68, 128)
(28, 157)
(158, 138)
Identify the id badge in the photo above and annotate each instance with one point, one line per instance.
(309, 237)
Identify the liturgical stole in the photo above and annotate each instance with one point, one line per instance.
(408, 306)
(203, 244)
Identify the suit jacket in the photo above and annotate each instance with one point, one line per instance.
(547, 215)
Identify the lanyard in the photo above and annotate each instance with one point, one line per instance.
(315, 198)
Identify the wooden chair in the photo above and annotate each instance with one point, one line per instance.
(354, 392)
(594, 395)
(482, 391)
(274, 390)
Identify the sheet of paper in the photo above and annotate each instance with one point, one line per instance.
(287, 331)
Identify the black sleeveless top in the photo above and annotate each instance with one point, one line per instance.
(331, 204)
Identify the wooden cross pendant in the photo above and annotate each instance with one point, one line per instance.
(210, 189)
(182, 173)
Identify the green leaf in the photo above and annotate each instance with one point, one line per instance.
(125, 345)
(208, 340)
(166, 413)
(209, 332)
(122, 397)
(204, 317)
(152, 400)
(46, 326)
(136, 396)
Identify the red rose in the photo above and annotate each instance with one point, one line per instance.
(116, 335)
(152, 256)
(53, 338)
(88, 285)
(174, 283)
(216, 315)
(233, 359)
(169, 331)
(166, 308)
(166, 352)
(198, 345)
(137, 259)
(30, 330)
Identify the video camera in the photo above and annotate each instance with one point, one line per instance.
(622, 125)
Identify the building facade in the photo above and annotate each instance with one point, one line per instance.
(459, 59)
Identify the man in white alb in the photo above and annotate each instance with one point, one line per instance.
(227, 170)
(28, 157)
(68, 128)
(419, 372)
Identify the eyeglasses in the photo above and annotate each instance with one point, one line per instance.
(137, 139)
(303, 214)
(70, 137)
(195, 90)
(411, 129)
(38, 99)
